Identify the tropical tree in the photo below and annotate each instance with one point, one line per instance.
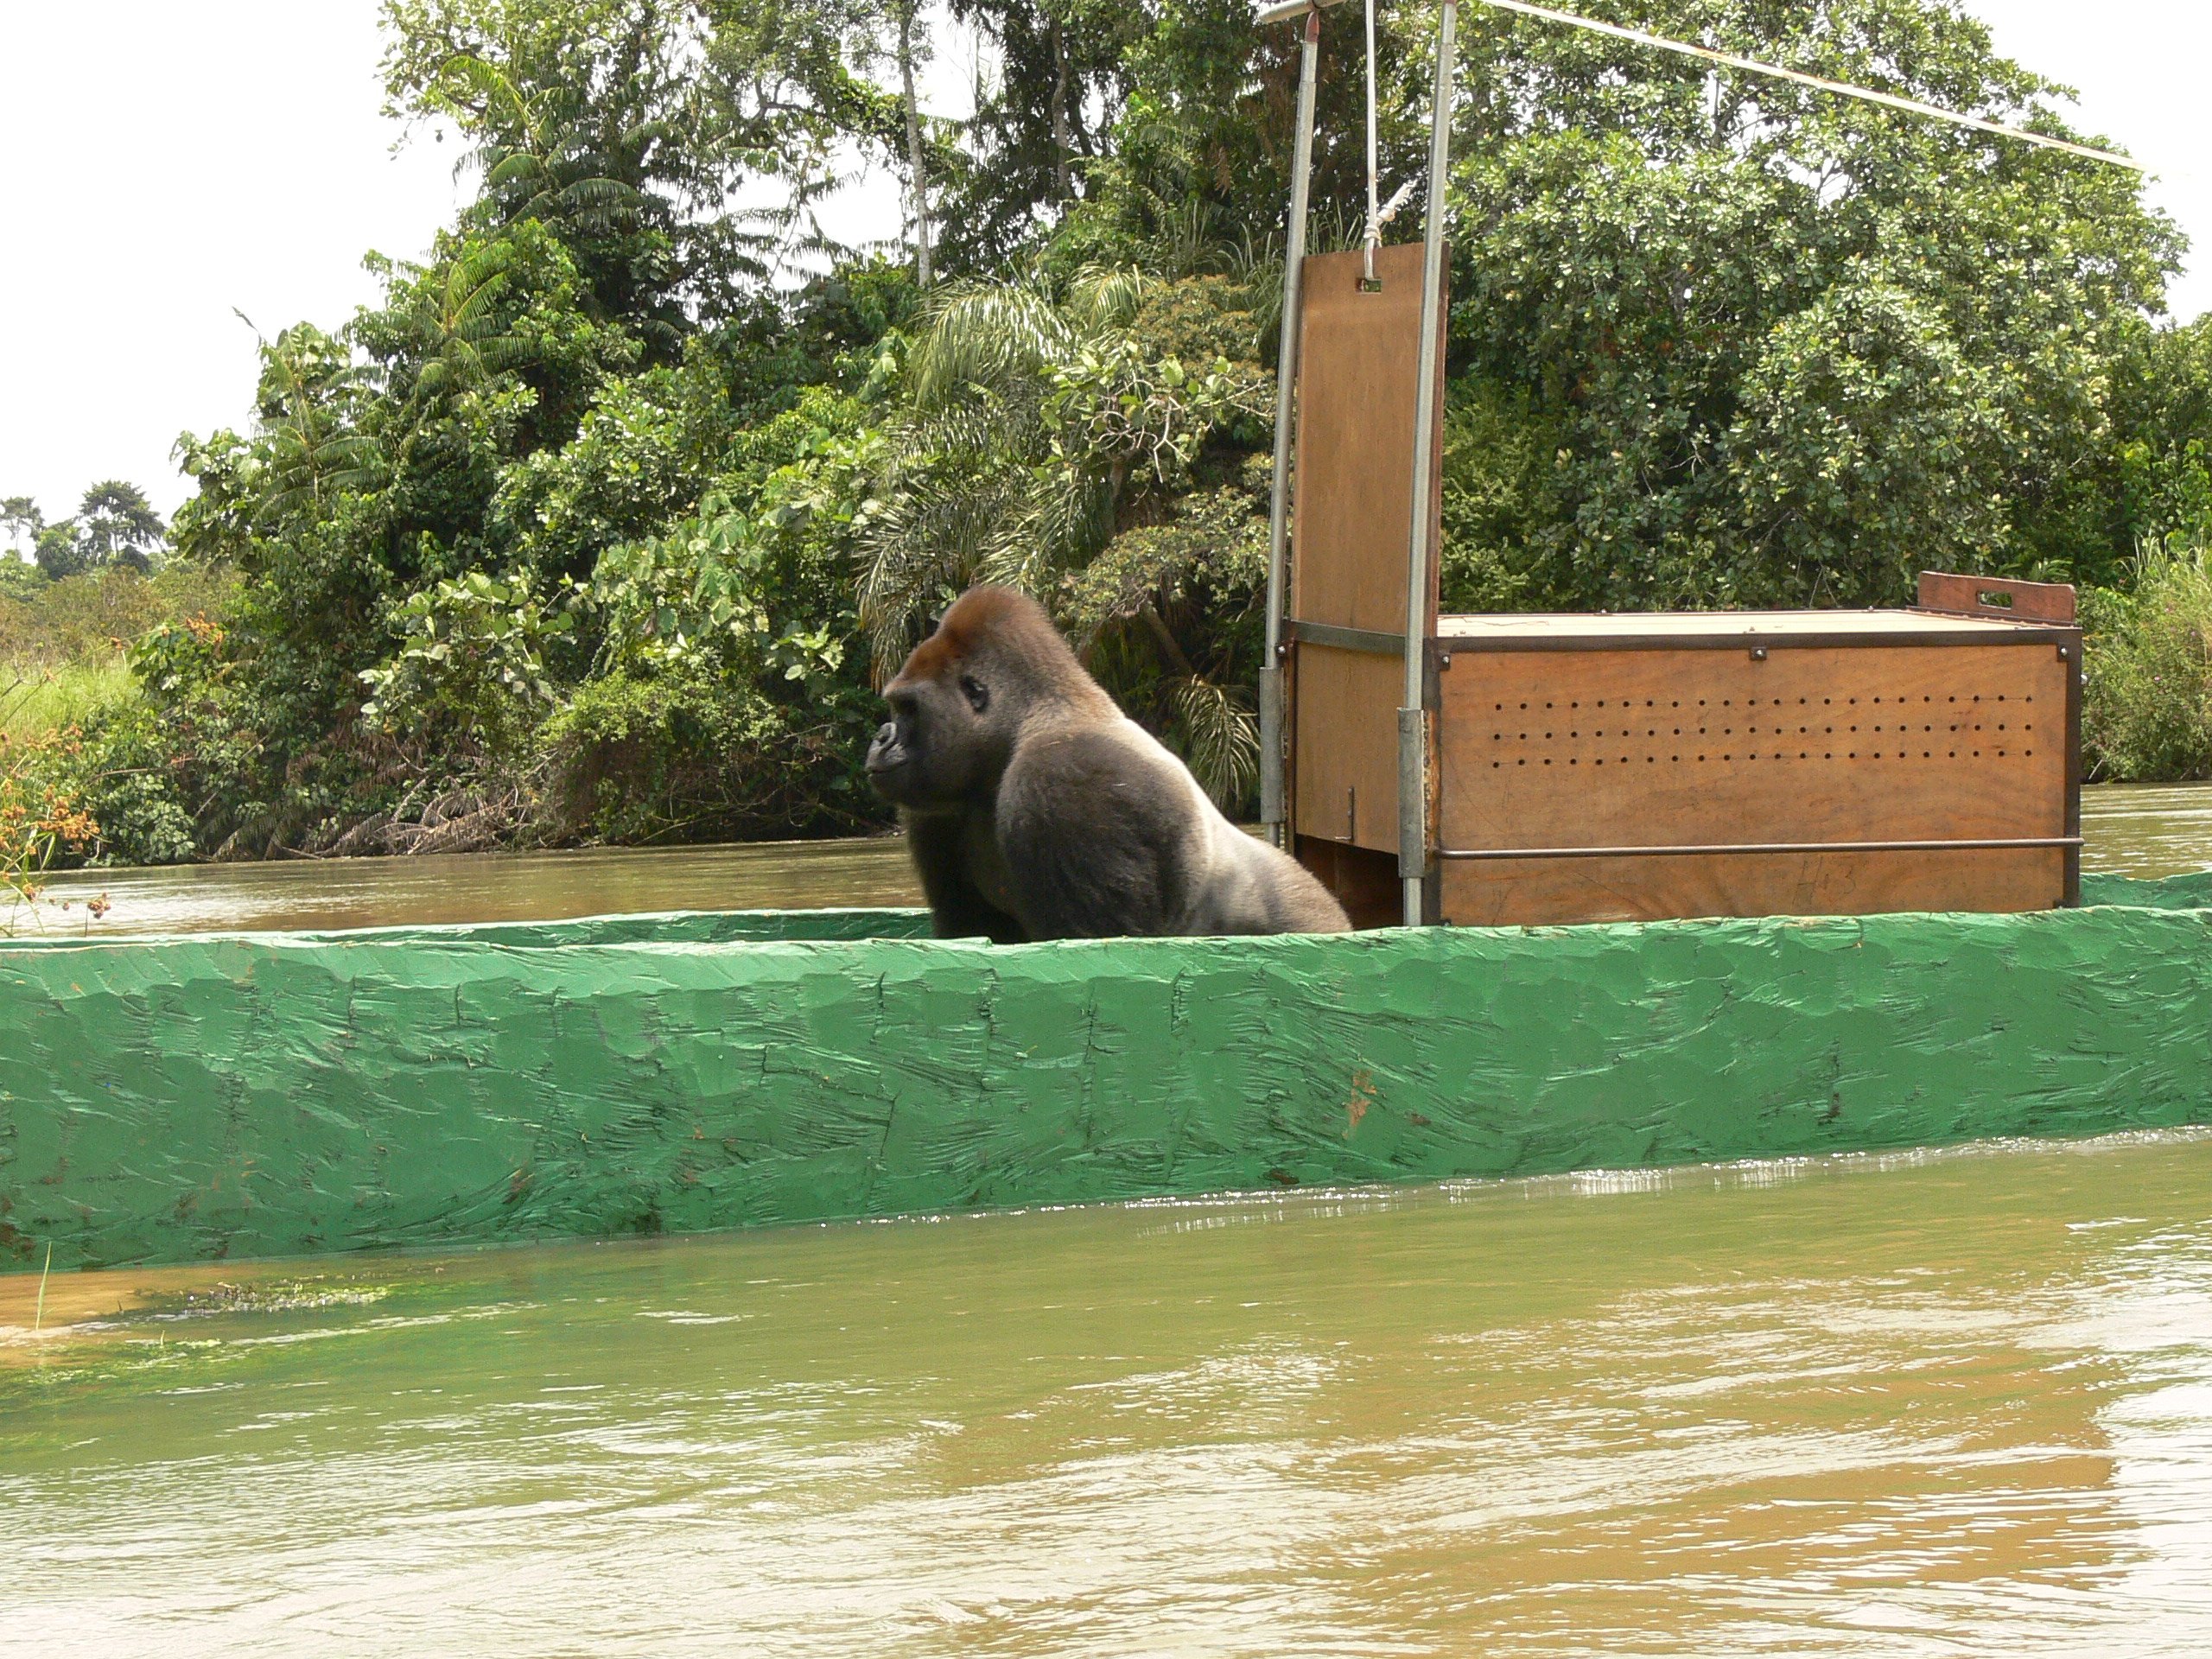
(115, 524)
(22, 521)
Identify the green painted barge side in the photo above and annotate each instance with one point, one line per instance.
(194, 1098)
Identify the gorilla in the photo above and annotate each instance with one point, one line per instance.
(1036, 810)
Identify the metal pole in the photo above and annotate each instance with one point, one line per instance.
(1275, 811)
(1412, 717)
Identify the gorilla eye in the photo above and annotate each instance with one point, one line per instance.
(978, 698)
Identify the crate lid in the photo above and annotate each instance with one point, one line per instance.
(1688, 627)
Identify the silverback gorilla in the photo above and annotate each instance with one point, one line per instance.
(1036, 810)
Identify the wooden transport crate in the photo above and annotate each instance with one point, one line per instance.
(1618, 767)
(1603, 769)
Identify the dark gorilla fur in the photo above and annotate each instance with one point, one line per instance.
(1036, 810)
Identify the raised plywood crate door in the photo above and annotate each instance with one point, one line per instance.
(1357, 382)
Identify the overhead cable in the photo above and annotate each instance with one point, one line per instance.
(1843, 88)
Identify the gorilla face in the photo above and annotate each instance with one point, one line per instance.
(938, 746)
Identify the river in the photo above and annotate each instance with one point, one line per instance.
(1944, 1403)
(2130, 829)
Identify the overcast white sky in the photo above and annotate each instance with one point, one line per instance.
(162, 166)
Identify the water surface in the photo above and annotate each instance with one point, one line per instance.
(2133, 830)
(1943, 1404)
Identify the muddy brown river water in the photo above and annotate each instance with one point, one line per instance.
(1938, 1404)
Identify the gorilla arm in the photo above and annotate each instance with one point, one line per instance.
(942, 846)
(1094, 844)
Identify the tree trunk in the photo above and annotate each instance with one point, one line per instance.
(917, 175)
(1063, 139)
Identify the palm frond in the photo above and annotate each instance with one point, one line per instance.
(1222, 737)
(1101, 297)
(985, 336)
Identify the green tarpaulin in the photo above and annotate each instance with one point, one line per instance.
(192, 1098)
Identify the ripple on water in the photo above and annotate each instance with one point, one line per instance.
(1925, 1404)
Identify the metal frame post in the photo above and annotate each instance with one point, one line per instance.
(1413, 716)
(1275, 810)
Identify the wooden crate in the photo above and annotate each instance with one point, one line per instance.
(1619, 767)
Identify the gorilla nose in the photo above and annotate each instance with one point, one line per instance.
(885, 736)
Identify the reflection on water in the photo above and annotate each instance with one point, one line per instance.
(2132, 830)
(1939, 1404)
(2147, 830)
(320, 893)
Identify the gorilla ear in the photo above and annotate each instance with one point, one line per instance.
(978, 696)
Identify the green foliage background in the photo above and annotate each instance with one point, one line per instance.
(604, 521)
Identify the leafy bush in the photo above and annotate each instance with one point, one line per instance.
(41, 821)
(695, 754)
(470, 678)
(2146, 713)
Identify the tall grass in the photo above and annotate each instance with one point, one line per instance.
(2146, 715)
(40, 817)
(37, 700)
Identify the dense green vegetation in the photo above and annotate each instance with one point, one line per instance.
(601, 521)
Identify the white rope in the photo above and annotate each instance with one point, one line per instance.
(1374, 239)
(1910, 105)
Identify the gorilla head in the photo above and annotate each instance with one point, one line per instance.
(957, 705)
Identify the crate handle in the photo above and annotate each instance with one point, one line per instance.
(1996, 597)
